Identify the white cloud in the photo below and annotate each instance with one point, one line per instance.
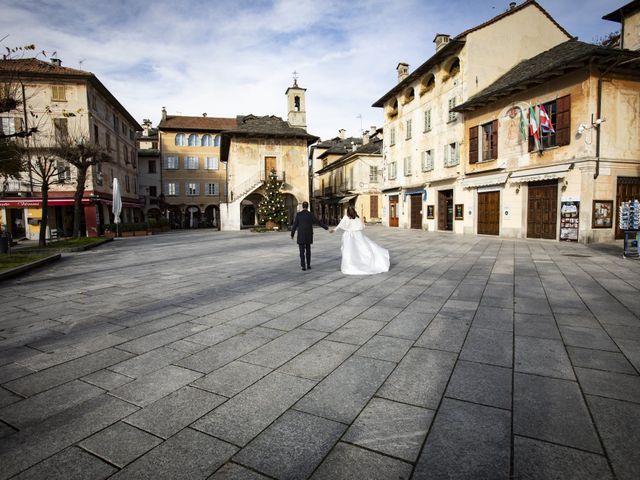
(236, 57)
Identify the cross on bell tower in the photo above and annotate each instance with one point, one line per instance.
(297, 116)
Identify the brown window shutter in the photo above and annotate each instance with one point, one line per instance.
(563, 120)
(494, 139)
(473, 145)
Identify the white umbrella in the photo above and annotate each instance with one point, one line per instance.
(116, 207)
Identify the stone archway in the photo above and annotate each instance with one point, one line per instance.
(212, 216)
(249, 210)
(192, 216)
(291, 204)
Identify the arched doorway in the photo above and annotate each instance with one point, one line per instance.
(291, 204)
(212, 216)
(175, 217)
(192, 216)
(249, 210)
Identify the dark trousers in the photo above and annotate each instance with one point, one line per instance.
(305, 252)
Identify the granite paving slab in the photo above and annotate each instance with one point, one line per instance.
(494, 318)
(600, 360)
(392, 428)
(70, 464)
(420, 378)
(540, 326)
(342, 394)
(346, 462)
(481, 436)
(148, 362)
(161, 338)
(357, 331)
(174, 412)
(233, 471)
(284, 348)
(488, 346)
(120, 443)
(553, 410)
(444, 334)
(385, 348)
(319, 360)
(8, 398)
(232, 378)
(584, 337)
(480, 383)
(542, 356)
(407, 324)
(609, 384)
(153, 386)
(188, 455)
(244, 416)
(536, 460)
(291, 447)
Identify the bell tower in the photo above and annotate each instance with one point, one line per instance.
(297, 116)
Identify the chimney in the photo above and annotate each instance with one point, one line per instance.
(204, 114)
(341, 133)
(441, 39)
(403, 71)
(164, 113)
(512, 5)
(56, 61)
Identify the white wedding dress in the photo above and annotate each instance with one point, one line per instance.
(360, 255)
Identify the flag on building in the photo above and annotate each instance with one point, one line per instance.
(545, 121)
(533, 124)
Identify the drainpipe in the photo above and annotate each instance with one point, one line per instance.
(598, 125)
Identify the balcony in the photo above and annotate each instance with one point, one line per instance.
(281, 176)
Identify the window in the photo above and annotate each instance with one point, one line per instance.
(408, 131)
(96, 135)
(212, 188)
(216, 141)
(10, 125)
(427, 120)
(455, 68)
(427, 160)
(451, 154)
(115, 122)
(133, 158)
(153, 191)
(126, 183)
(131, 134)
(171, 188)
(393, 170)
(64, 171)
(452, 115)
(211, 163)
(152, 166)
(171, 163)
(125, 154)
(191, 163)
(58, 93)
(107, 141)
(61, 129)
(181, 140)
(192, 188)
(483, 142)
(407, 166)
(392, 137)
(194, 141)
(124, 129)
(112, 177)
(207, 140)
(98, 174)
(373, 174)
(135, 184)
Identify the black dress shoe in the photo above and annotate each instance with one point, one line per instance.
(303, 268)
(308, 267)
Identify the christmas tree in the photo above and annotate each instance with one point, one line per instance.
(272, 207)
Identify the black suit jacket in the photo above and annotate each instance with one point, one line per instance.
(303, 223)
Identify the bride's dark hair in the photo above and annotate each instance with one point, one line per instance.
(351, 212)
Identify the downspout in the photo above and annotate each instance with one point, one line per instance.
(597, 126)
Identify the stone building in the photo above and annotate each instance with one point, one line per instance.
(628, 16)
(424, 134)
(63, 102)
(149, 167)
(192, 176)
(569, 184)
(257, 145)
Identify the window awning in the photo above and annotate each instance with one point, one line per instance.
(347, 199)
(540, 174)
(485, 180)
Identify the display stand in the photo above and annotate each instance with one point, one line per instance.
(631, 239)
(630, 225)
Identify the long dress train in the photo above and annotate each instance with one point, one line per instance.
(360, 254)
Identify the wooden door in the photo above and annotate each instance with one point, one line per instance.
(445, 210)
(542, 210)
(489, 213)
(393, 211)
(269, 164)
(628, 189)
(373, 206)
(416, 211)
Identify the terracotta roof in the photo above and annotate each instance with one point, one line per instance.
(567, 56)
(374, 147)
(524, 4)
(618, 14)
(270, 126)
(179, 122)
(35, 68)
(456, 44)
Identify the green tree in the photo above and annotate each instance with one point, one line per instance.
(272, 207)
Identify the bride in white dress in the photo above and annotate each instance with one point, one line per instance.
(360, 255)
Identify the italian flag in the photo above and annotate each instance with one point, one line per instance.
(545, 121)
(533, 124)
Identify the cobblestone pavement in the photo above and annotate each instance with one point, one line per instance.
(212, 355)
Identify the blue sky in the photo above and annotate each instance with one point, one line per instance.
(231, 57)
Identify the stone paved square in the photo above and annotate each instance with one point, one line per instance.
(214, 356)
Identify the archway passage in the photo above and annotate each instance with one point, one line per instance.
(248, 215)
(291, 204)
(249, 210)
(192, 215)
(212, 216)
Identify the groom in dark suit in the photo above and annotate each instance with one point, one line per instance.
(303, 223)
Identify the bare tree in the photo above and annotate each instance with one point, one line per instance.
(82, 154)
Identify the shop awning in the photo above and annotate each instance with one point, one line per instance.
(540, 174)
(416, 191)
(347, 199)
(485, 180)
(37, 202)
